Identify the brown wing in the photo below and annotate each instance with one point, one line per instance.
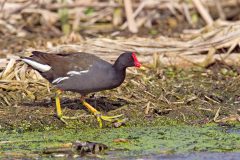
(61, 64)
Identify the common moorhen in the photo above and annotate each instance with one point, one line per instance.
(82, 73)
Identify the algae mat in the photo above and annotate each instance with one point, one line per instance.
(127, 142)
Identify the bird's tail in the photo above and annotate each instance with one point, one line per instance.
(36, 61)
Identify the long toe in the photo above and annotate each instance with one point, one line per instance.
(64, 118)
(111, 118)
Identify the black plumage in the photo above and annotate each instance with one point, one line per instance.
(83, 72)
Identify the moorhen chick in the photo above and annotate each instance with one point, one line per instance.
(83, 73)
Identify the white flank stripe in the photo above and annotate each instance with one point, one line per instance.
(71, 73)
(59, 79)
(36, 65)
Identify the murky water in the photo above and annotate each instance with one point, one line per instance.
(195, 156)
(233, 130)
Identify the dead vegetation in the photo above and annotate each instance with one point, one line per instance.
(78, 21)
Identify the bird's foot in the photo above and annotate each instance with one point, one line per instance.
(101, 118)
(112, 119)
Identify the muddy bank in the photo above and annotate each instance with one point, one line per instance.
(191, 96)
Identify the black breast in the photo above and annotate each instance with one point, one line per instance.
(101, 76)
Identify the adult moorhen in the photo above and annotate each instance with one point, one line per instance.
(82, 73)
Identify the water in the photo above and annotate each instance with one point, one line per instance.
(195, 156)
(169, 142)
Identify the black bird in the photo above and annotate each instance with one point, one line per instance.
(83, 73)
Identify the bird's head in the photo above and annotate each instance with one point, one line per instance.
(127, 59)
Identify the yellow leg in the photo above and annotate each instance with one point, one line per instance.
(59, 109)
(99, 116)
(58, 105)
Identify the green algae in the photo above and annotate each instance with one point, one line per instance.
(140, 140)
